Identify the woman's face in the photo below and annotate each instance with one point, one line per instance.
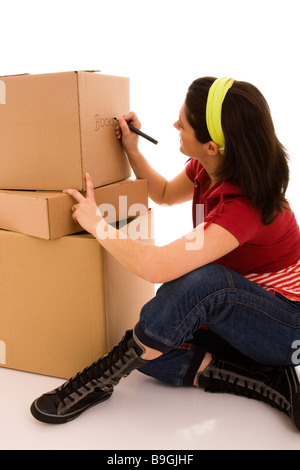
(189, 145)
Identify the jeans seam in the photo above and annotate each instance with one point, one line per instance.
(231, 303)
(231, 287)
(191, 312)
(237, 302)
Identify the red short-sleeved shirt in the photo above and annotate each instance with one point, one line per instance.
(262, 248)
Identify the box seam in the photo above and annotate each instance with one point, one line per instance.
(80, 135)
(49, 218)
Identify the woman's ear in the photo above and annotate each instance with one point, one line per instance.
(213, 148)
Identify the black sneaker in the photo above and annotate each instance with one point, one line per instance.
(277, 386)
(91, 386)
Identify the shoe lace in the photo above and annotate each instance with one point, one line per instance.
(92, 373)
(226, 383)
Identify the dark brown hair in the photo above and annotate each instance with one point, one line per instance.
(254, 159)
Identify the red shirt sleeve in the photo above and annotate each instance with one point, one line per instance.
(238, 216)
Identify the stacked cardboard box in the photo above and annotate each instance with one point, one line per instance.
(64, 301)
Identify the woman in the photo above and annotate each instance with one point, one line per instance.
(228, 312)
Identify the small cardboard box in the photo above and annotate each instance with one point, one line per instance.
(56, 127)
(58, 310)
(48, 214)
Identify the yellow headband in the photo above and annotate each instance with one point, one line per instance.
(216, 96)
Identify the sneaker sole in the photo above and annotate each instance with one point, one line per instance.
(295, 410)
(293, 381)
(57, 419)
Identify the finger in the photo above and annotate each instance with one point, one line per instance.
(74, 217)
(89, 187)
(124, 128)
(119, 134)
(132, 117)
(75, 194)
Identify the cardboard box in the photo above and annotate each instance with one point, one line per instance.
(56, 305)
(132, 292)
(56, 127)
(48, 214)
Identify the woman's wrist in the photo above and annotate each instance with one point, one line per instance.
(138, 164)
(133, 154)
(99, 226)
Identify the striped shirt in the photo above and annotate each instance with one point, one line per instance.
(267, 254)
(286, 281)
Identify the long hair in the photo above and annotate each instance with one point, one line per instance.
(254, 159)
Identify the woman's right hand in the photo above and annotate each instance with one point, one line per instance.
(129, 139)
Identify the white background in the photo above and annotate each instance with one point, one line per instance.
(163, 45)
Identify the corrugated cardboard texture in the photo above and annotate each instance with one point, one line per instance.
(48, 214)
(55, 127)
(61, 306)
(123, 309)
(101, 98)
(52, 310)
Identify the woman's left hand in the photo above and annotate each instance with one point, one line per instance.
(85, 212)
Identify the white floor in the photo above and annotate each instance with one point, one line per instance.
(142, 414)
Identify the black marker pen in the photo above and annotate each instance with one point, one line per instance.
(137, 131)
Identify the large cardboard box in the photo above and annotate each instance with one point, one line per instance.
(126, 293)
(48, 214)
(58, 312)
(56, 127)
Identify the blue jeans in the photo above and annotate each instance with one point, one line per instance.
(242, 318)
